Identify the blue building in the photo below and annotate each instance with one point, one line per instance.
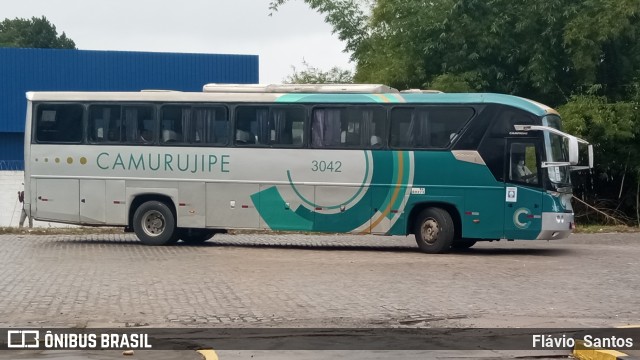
(23, 70)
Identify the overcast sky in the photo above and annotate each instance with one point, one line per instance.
(199, 26)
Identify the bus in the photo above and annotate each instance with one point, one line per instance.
(451, 169)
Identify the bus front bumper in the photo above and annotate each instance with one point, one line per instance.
(556, 226)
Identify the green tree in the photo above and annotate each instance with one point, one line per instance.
(547, 50)
(582, 56)
(33, 33)
(313, 75)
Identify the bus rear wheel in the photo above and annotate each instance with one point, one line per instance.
(196, 236)
(434, 230)
(155, 224)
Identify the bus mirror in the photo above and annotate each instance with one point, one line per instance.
(590, 156)
(573, 150)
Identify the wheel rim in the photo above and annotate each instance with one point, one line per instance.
(430, 231)
(153, 223)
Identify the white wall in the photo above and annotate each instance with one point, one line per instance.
(10, 207)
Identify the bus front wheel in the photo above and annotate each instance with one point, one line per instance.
(154, 223)
(434, 230)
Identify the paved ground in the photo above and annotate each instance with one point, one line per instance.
(317, 281)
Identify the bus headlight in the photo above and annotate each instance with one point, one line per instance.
(560, 218)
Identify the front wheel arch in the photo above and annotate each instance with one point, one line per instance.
(451, 209)
(434, 230)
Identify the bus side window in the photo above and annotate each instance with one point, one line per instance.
(523, 164)
(246, 125)
(287, 126)
(104, 123)
(427, 127)
(209, 125)
(446, 122)
(374, 132)
(221, 131)
(326, 128)
(173, 122)
(59, 123)
(401, 128)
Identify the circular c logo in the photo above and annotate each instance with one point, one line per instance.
(517, 215)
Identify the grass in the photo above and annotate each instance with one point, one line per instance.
(60, 231)
(598, 229)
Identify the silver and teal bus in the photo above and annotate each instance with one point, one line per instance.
(452, 169)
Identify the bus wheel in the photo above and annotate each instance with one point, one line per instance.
(462, 244)
(196, 236)
(154, 223)
(434, 231)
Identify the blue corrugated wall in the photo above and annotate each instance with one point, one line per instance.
(11, 151)
(23, 70)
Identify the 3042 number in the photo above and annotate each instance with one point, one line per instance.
(326, 166)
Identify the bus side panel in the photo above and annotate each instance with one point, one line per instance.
(92, 201)
(191, 209)
(33, 188)
(483, 213)
(116, 208)
(229, 205)
(334, 214)
(58, 200)
(388, 207)
(285, 210)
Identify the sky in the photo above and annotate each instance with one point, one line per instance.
(281, 41)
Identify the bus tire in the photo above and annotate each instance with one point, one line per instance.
(155, 224)
(196, 236)
(462, 244)
(434, 231)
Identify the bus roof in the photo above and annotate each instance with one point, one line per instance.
(354, 96)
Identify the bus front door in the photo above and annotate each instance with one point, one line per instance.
(523, 190)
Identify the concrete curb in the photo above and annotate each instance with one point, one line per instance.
(209, 354)
(580, 351)
(585, 353)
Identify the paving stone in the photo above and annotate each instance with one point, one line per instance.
(317, 280)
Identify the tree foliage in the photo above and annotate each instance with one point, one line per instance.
(32, 33)
(545, 50)
(313, 75)
(582, 56)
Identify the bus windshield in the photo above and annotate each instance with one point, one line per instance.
(556, 151)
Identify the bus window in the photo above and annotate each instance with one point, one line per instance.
(523, 164)
(209, 125)
(287, 126)
(138, 124)
(427, 127)
(351, 127)
(173, 123)
(273, 126)
(446, 124)
(326, 128)
(59, 123)
(104, 124)
(504, 122)
(251, 125)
